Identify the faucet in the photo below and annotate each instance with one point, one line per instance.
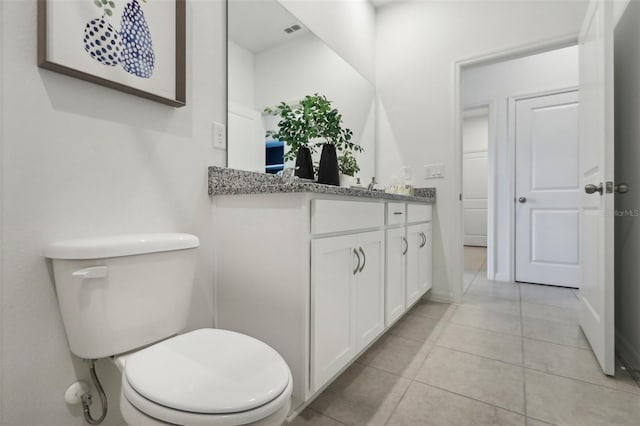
(372, 184)
(288, 174)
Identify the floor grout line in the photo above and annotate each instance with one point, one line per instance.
(479, 356)
(472, 399)
(439, 329)
(581, 381)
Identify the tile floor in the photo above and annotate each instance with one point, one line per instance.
(510, 354)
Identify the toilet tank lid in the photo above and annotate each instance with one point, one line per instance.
(119, 245)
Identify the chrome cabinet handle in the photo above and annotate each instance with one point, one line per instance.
(397, 213)
(406, 248)
(522, 200)
(424, 240)
(592, 189)
(355, 271)
(364, 260)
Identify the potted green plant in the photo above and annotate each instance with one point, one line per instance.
(348, 166)
(314, 123)
(295, 129)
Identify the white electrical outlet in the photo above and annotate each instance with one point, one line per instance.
(219, 136)
(434, 171)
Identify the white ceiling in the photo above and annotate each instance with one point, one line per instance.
(258, 25)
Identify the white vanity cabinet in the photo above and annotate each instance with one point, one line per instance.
(347, 299)
(418, 261)
(408, 255)
(317, 277)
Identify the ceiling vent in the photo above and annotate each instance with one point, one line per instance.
(292, 29)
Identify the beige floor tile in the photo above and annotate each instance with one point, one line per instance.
(490, 303)
(488, 320)
(361, 396)
(310, 417)
(395, 354)
(574, 363)
(484, 379)
(550, 313)
(534, 422)
(565, 401)
(429, 309)
(414, 327)
(554, 332)
(548, 295)
(498, 346)
(424, 405)
(482, 286)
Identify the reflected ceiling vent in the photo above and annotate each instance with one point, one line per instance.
(292, 29)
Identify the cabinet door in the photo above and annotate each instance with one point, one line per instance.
(425, 265)
(333, 270)
(370, 288)
(416, 262)
(395, 270)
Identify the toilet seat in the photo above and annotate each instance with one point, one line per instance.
(206, 377)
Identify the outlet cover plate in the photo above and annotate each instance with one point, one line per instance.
(219, 136)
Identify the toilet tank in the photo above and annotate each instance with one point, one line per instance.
(122, 292)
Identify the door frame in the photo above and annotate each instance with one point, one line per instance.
(511, 148)
(457, 264)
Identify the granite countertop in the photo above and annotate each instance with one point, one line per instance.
(223, 181)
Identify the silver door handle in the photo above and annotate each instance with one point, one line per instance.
(406, 248)
(591, 188)
(622, 188)
(364, 260)
(355, 271)
(522, 200)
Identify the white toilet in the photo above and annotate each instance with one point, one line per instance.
(125, 297)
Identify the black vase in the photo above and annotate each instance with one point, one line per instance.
(328, 173)
(304, 165)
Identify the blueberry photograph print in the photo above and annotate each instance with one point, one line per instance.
(135, 46)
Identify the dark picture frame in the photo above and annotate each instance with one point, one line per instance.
(179, 99)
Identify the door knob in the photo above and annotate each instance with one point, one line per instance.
(591, 188)
(622, 188)
(522, 200)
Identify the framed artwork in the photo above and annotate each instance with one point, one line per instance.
(135, 46)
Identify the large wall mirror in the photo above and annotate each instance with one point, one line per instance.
(274, 58)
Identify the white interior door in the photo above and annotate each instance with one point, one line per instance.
(475, 145)
(246, 140)
(596, 168)
(548, 190)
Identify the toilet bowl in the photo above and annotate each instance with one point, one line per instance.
(205, 377)
(127, 298)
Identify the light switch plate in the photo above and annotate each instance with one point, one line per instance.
(434, 171)
(219, 136)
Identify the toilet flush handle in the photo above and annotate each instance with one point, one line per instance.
(92, 272)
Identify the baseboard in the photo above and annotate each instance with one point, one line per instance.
(502, 277)
(627, 352)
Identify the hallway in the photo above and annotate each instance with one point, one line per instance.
(510, 354)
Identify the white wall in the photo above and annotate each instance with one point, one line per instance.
(416, 91)
(494, 84)
(241, 75)
(475, 153)
(83, 160)
(347, 26)
(627, 155)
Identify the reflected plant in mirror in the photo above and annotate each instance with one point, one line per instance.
(268, 66)
(311, 124)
